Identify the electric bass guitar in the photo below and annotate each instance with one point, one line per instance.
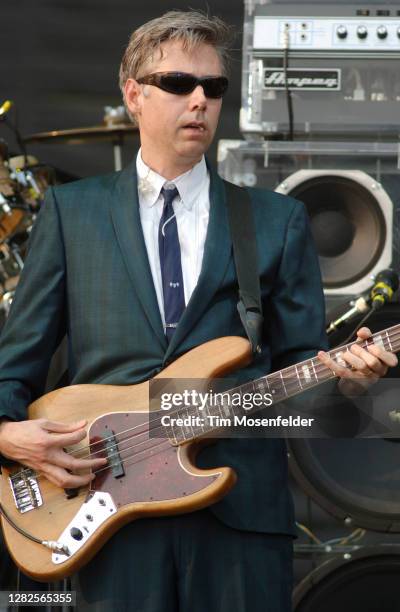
(52, 532)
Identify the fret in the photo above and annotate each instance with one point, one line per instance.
(201, 425)
(306, 373)
(314, 370)
(394, 339)
(388, 339)
(183, 433)
(189, 428)
(275, 386)
(298, 376)
(219, 409)
(262, 385)
(235, 410)
(208, 414)
(283, 383)
(378, 340)
(180, 432)
(226, 408)
(169, 429)
(339, 360)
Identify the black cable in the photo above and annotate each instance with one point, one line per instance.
(17, 528)
(48, 544)
(289, 101)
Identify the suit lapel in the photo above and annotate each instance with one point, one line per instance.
(217, 250)
(125, 215)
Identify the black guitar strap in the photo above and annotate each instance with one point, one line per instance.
(241, 223)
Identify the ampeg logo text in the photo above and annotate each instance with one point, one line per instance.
(300, 78)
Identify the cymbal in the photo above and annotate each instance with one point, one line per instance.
(97, 133)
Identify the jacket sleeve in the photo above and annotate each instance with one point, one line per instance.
(36, 322)
(295, 314)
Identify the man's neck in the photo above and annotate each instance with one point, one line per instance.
(167, 168)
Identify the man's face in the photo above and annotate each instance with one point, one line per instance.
(164, 117)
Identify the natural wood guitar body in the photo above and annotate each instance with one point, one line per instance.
(160, 483)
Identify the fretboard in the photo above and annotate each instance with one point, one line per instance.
(281, 385)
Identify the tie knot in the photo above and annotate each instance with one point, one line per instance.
(169, 195)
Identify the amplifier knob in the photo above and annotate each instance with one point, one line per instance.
(382, 32)
(398, 32)
(362, 32)
(342, 32)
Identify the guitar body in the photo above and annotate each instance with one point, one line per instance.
(150, 477)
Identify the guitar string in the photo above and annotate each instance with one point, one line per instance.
(108, 466)
(121, 440)
(166, 442)
(164, 445)
(289, 381)
(149, 451)
(287, 384)
(121, 449)
(320, 368)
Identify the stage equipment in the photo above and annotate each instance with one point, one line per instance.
(109, 132)
(351, 191)
(320, 69)
(356, 480)
(23, 181)
(83, 135)
(382, 291)
(364, 579)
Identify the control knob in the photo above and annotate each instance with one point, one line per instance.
(76, 533)
(342, 32)
(362, 32)
(382, 32)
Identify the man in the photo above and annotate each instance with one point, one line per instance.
(99, 268)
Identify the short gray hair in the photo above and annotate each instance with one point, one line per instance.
(190, 27)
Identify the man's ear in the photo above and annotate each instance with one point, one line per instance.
(133, 96)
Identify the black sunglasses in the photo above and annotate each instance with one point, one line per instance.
(182, 83)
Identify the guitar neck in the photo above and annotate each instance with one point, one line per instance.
(281, 385)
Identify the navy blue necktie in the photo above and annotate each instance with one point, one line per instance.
(170, 261)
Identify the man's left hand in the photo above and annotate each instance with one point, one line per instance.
(367, 365)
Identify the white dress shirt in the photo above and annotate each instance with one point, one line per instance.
(191, 211)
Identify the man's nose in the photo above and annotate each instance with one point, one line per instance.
(198, 98)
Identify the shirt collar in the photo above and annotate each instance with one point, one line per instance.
(189, 184)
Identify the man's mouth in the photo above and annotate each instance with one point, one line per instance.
(195, 126)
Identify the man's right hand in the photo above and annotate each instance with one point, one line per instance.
(40, 443)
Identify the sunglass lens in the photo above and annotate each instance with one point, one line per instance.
(215, 87)
(178, 83)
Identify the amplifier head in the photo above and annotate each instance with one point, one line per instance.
(337, 62)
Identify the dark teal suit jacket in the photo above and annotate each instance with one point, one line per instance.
(87, 275)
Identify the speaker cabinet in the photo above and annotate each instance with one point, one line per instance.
(352, 195)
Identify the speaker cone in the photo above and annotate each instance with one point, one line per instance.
(366, 580)
(351, 222)
(347, 225)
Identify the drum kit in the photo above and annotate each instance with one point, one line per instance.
(23, 182)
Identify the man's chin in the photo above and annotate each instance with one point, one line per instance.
(193, 150)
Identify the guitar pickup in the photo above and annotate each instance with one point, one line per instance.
(112, 454)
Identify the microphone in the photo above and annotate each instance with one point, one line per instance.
(361, 305)
(386, 283)
(5, 107)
